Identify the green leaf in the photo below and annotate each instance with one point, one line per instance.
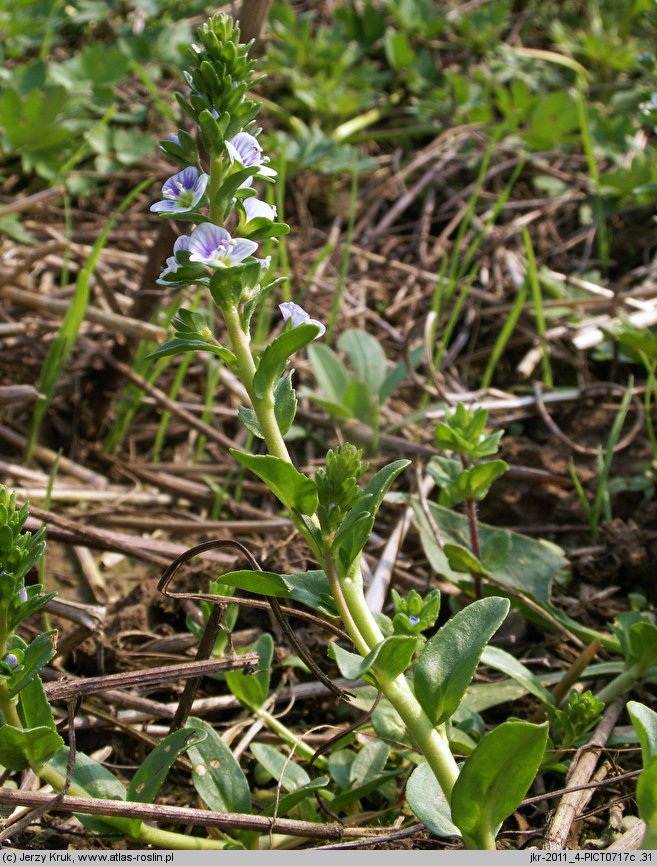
(391, 657)
(252, 689)
(495, 552)
(646, 798)
(275, 357)
(353, 795)
(331, 374)
(360, 402)
(312, 589)
(290, 775)
(504, 662)
(449, 660)
(530, 566)
(495, 778)
(250, 420)
(427, 800)
(399, 52)
(295, 490)
(37, 655)
(178, 347)
(33, 706)
(643, 644)
(95, 781)
(285, 403)
(463, 560)
(369, 763)
(644, 721)
(216, 775)
(356, 528)
(21, 748)
(148, 779)
(288, 801)
(259, 582)
(366, 357)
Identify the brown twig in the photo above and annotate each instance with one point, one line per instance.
(63, 690)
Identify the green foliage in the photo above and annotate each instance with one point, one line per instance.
(428, 802)
(337, 485)
(252, 689)
(578, 715)
(359, 390)
(464, 432)
(526, 564)
(147, 781)
(414, 614)
(295, 490)
(449, 660)
(495, 778)
(357, 525)
(217, 777)
(192, 334)
(391, 657)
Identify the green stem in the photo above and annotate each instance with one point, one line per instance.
(302, 749)
(8, 706)
(263, 407)
(365, 633)
(164, 839)
(146, 834)
(620, 684)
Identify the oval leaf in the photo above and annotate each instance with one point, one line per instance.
(275, 357)
(644, 721)
(426, 799)
(294, 489)
(216, 775)
(495, 778)
(449, 660)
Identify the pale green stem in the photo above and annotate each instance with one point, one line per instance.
(366, 634)
(164, 839)
(263, 407)
(302, 749)
(620, 684)
(148, 835)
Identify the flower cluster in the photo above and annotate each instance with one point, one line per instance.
(230, 218)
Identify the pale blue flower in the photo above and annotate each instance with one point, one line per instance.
(298, 316)
(212, 245)
(414, 620)
(22, 594)
(182, 192)
(10, 660)
(255, 209)
(246, 150)
(182, 243)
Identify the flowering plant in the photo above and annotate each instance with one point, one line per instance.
(332, 511)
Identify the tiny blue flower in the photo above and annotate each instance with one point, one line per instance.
(414, 620)
(182, 243)
(212, 245)
(10, 660)
(254, 209)
(298, 316)
(182, 192)
(22, 594)
(246, 150)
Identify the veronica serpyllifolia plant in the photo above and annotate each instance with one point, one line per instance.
(217, 191)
